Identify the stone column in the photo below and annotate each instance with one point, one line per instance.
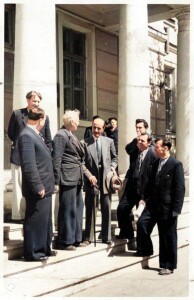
(133, 99)
(35, 56)
(183, 85)
(1, 110)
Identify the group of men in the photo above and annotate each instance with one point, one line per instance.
(154, 181)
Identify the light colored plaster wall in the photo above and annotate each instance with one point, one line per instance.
(106, 74)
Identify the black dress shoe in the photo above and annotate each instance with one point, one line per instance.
(42, 258)
(53, 253)
(108, 242)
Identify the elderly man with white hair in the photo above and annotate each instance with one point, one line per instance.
(68, 163)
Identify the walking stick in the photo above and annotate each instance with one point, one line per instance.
(94, 216)
(95, 202)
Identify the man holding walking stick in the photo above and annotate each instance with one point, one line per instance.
(100, 159)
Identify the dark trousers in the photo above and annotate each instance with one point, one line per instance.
(127, 202)
(105, 204)
(70, 216)
(167, 229)
(38, 228)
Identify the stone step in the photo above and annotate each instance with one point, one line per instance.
(73, 271)
(69, 273)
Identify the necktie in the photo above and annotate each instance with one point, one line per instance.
(161, 163)
(140, 160)
(98, 151)
(40, 134)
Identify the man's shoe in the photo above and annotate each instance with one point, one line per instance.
(53, 253)
(42, 258)
(70, 248)
(80, 244)
(108, 242)
(87, 243)
(66, 247)
(165, 272)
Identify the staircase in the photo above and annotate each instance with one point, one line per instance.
(72, 271)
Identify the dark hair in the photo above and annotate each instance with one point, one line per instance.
(110, 119)
(149, 138)
(95, 117)
(30, 94)
(36, 114)
(165, 142)
(141, 121)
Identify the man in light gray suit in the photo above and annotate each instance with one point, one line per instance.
(100, 159)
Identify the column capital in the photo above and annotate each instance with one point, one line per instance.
(183, 20)
(183, 15)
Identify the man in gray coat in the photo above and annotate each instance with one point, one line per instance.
(37, 188)
(100, 159)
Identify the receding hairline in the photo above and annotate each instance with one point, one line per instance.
(99, 120)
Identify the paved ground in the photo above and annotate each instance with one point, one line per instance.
(136, 282)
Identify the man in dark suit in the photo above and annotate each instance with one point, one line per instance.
(100, 158)
(164, 196)
(17, 122)
(112, 132)
(131, 148)
(37, 188)
(134, 189)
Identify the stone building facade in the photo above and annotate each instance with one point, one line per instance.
(101, 60)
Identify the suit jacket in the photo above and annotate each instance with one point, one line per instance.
(109, 159)
(17, 122)
(132, 150)
(140, 183)
(68, 159)
(36, 164)
(165, 195)
(113, 135)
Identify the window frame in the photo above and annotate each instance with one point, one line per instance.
(71, 22)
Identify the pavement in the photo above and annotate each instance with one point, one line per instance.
(101, 271)
(137, 282)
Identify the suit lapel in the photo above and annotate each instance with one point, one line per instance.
(104, 147)
(24, 116)
(166, 166)
(38, 137)
(92, 149)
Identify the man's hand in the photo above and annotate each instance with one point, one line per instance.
(42, 193)
(93, 180)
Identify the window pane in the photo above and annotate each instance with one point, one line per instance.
(66, 40)
(79, 102)
(67, 99)
(66, 71)
(78, 44)
(78, 74)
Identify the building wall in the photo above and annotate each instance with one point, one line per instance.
(107, 74)
(102, 74)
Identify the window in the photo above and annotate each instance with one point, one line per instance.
(74, 71)
(9, 26)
